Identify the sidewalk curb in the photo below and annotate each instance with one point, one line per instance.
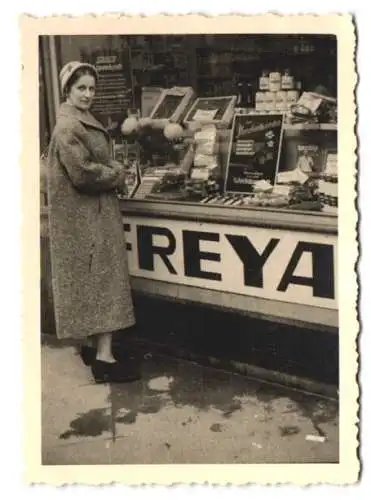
(262, 374)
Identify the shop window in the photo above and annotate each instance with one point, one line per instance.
(235, 121)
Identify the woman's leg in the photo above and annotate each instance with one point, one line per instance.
(105, 368)
(104, 348)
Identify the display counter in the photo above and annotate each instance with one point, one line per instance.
(248, 225)
(277, 265)
(273, 263)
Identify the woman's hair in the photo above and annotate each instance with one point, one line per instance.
(78, 74)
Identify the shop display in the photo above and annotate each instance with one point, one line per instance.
(281, 93)
(264, 81)
(215, 150)
(275, 80)
(309, 158)
(254, 153)
(172, 105)
(276, 92)
(180, 161)
(150, 183)
(314, 107)
(328, 184)
(173, 131)
(281, 101)
(212, 110)
(159, 138)
(292, 98)
(127, 154)
(287, 82)
(205, 176)
(133, 179)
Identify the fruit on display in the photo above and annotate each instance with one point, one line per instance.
(145, 122)
(194, 126)
(130, 125)
(173, 131)
(158, 124)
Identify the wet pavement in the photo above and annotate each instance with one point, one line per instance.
(179, 412)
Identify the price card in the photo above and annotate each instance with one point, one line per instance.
(177, 91)
(204, 114)
(200, 173)
(216, 110)
(309, 101)
(133, 178)
(331, 165)
(145, 188)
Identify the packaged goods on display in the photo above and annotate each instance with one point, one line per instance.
(287, 82)
(264, 81)
(328, 184)
(275, 81)
(277, 92)
(186, 145)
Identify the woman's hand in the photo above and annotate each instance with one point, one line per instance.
(117, 166)
(121, 179)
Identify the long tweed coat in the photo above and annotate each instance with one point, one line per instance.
(90, 278)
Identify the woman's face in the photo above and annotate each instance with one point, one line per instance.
(82, 92)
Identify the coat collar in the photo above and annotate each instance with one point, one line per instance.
(86, 118)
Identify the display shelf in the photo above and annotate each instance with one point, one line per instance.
(328, 127)
(211, 77)
(311, 126)
(253, 216)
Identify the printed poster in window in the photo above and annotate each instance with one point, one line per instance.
(114, 94)
(255, 151)
(309, 158)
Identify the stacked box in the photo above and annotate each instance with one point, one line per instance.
(277, 93)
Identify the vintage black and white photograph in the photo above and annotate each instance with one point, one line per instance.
(189, 246)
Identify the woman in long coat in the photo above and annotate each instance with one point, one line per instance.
(92, 295)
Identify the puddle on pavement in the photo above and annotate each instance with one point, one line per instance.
(186, 384)
(318, 411)
(90, 424)
(217, 427)
(289, 430)
(135, 398)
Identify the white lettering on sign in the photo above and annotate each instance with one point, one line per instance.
(106, 59)
(241, 180)
(249, 127)
(290, 266)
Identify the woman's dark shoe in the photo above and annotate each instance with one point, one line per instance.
(88, 354)
(113, 372)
